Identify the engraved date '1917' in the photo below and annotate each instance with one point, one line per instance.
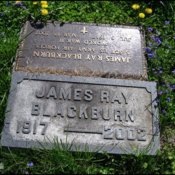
(27, 127)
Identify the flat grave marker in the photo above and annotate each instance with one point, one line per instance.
(82, 49)
(104, 115)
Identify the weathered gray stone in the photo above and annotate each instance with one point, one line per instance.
(82, 49)
(94, 114)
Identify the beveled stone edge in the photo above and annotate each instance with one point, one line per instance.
(18, 77)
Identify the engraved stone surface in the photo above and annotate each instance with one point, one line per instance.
(92, 114)
(82, 49)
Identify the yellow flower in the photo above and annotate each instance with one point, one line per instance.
(43, 2)
(16, 2)
(44, 6)
(34, 2)
(135, 6)
(141, 15)
(148, 10)
(44, 12)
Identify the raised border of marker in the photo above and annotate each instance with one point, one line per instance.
(91, 114)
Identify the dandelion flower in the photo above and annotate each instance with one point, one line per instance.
(44, 6)
(43, 2)
(148, 10)
(17, 2)
(141, 15)
(44, 12)
(135, 6)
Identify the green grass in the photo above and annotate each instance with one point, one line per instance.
(161, 66)
(8, 48)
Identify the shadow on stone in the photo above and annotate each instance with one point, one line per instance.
(37, 25)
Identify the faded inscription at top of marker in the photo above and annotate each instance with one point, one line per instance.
(82, 48)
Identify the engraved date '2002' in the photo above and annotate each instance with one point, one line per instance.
(124, 134)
